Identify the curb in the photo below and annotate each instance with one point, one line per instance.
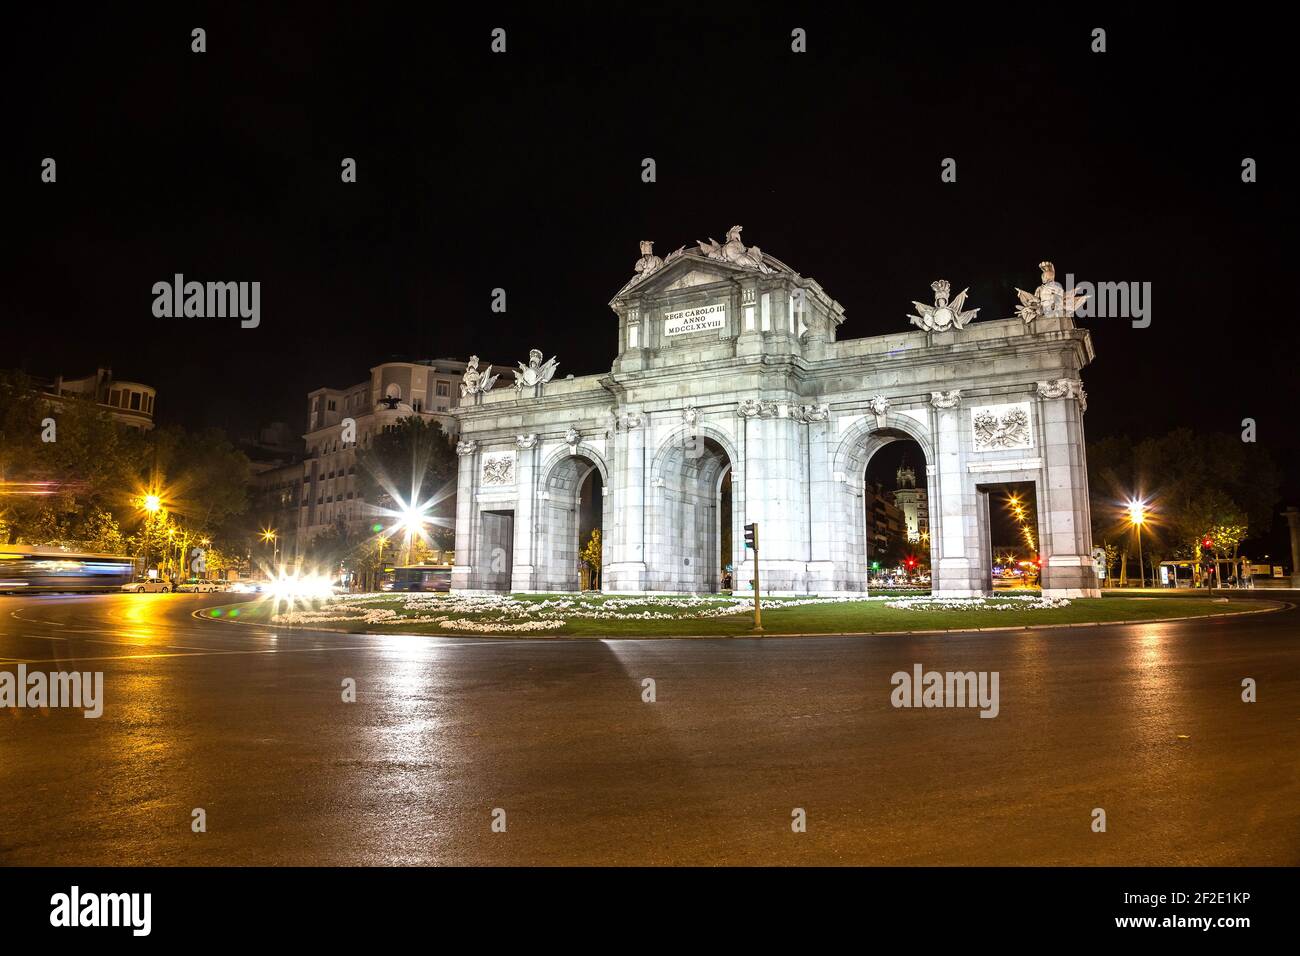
(1278, 606)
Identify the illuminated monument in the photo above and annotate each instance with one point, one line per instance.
(731, 401)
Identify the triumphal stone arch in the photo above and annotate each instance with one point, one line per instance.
(729, 378)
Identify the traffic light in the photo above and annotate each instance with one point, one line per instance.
(751, 535)
(910, 562)
(1207, 544)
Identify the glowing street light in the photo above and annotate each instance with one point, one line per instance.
(1137, 515)
(152, 504)
(412, 520)
(271, 537)
(1137, 512)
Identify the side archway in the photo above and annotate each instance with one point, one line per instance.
(690, 493)
(572, 505)
(853, 453)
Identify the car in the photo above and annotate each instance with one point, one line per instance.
(200, 587)
(146, 586)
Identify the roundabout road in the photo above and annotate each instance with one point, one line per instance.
(247, 722)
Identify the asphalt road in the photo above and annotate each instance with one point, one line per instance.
(248, 723)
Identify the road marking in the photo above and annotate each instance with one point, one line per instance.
(213, 652)
(14, 615)
(147, 657)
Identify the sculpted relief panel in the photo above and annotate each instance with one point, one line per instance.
(1002, 426)
(499, 468)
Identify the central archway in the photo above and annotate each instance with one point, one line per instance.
(856, 450)
(897, 514)
(691, 496)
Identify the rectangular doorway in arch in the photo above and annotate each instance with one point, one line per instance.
(497, 548)
(1010, 545)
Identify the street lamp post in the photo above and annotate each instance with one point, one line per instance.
(1137, 513)
(169, 563)
(271, 537)
(413, 523)
(151, 504)
(1142, 568)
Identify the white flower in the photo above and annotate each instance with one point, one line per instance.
(506, 614)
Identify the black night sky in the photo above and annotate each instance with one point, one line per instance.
(522, 171)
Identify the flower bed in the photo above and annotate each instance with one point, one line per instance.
(1010, 602)
(507, 614)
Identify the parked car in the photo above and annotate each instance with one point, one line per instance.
(147, 586)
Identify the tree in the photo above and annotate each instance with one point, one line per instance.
(332, 547)
(205, 477)
(590, 556)
(220, 561)
(412, 464)
(1111, 559)
(90, 473)
(52, 477)
(150, 541)
(1191, 483)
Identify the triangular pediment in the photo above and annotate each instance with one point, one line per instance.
(685, 270)
(685, 278)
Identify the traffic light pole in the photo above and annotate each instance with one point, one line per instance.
(751, 540)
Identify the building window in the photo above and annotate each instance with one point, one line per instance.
(115, 396)
(330, 405)
(416, 405)
(444, 389)
(135, 401)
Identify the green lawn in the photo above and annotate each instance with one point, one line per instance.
(845, 617)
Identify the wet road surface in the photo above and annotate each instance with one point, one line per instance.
(248, 723)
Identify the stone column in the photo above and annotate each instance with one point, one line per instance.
(955, 571)
(749, 319)
(822, 493)
(627, 567)
(522, 572)
(783, 542)
(753, 444)
(462, 573)
(1064, 518)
